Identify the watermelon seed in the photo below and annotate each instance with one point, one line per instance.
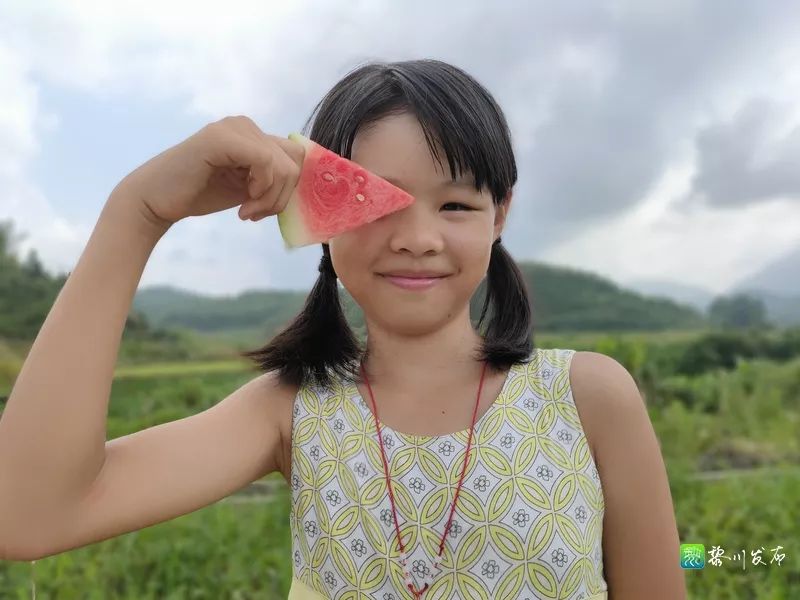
(327, 177)
(359, 179)
(360, 197)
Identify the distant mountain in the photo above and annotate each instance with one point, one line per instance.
(168, 306)
(566, 298)
(780, 277)
(778, 285)
(562, 298)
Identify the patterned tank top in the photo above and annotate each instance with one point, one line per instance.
(529, 519)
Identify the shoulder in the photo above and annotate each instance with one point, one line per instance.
(610, 405)
(593, 372)
(601, 389)
(639, 517)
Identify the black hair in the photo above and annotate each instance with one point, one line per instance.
(460, 115)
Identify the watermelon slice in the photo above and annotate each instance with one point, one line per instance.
(334, 195)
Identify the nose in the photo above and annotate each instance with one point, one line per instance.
(414, 230)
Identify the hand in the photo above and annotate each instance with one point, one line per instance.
(227, 163)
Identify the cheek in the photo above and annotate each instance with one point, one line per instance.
(475, 273)
(345, 253)
(474, 257)
(353, 268)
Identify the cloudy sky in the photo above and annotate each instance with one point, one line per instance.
(654, 140)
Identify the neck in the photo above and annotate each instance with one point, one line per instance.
(428, 362)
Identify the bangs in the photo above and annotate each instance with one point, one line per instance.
(456, 113)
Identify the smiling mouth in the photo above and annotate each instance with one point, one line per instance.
(413, 283)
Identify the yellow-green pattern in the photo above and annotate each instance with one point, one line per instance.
(530, 512)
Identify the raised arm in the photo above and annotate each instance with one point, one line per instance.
(53, 429)
(61, 483)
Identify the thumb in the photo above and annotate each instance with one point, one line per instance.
(295, 150)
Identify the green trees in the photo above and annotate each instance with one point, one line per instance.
(738, 311)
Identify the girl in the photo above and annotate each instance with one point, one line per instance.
(440, 461)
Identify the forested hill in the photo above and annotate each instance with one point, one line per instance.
(563, 299)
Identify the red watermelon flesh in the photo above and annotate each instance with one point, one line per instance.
(334, 195)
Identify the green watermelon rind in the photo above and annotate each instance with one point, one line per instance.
(291, 226)
(290, 221)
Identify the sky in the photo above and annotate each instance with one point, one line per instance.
(654, 140)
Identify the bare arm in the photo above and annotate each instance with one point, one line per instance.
(639, 517)
(61, 485)
(175, 468)
(53, 429)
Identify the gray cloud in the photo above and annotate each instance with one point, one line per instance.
(593, 133)
(601, 150)
(740, 162)
(602, 99)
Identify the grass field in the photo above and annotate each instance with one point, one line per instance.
(730, 441)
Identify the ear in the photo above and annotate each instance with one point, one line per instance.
(500, 214)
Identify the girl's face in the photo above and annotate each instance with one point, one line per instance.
(448, 229)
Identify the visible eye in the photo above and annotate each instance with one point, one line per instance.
(463, 206)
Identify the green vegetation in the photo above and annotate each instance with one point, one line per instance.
(740, 421)
(724, 401)
(163, 319)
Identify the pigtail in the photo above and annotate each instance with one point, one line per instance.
(508, 337)
(318, 340)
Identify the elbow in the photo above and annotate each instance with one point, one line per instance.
(18, 552)
(22, 544)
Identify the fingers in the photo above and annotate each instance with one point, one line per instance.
(292, 177)
(294, 150)
(262, 178)
(274, 163)
(284, 175)
(276, 196)
(226, 147)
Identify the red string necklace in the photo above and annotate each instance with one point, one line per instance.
(417, 593)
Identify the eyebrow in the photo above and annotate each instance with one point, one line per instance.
(469, 183)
